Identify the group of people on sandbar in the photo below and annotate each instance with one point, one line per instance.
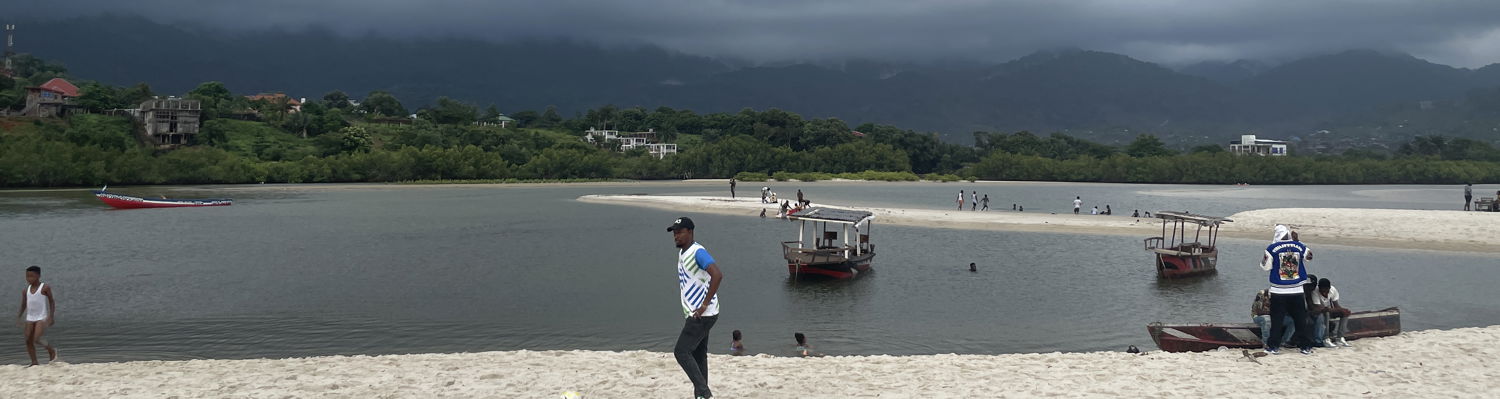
(1298, 308)
(980, 203)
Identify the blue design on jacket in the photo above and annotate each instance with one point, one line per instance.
(1287, 267)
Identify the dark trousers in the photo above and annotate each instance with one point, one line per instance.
(1468, 199)
(692, 352)
(1294, 305)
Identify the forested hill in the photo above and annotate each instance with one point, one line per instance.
(1102, 96)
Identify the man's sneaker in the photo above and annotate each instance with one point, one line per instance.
(1273, 351)
(1344, 343)
(1307, 351)
(1327, 343)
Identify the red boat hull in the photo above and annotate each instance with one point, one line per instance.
(836, 271)
(1207, 337)
(128, 202)
(1170, 267)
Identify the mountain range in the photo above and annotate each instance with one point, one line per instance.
(1097, 95)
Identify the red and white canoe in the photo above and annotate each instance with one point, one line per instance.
(128, 202)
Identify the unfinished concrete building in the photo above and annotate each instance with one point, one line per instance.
(171, 120)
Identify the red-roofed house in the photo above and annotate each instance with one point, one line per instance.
(293, 105)
(50, 99)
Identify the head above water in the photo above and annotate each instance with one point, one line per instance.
(33, 274)
(801, 339)
(682, 232)
(736, 335)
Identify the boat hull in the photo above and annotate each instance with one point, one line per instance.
(1206, 337)
(842, 270)
(1173, 267)
(128, 202)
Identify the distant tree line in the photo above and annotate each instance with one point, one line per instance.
(379, 139)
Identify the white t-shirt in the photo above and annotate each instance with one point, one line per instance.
(1333, 296)
(693, 280)
(1077, 203)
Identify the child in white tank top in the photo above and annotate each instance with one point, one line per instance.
(37, 311)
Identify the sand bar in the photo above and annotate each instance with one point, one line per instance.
(1447, 363)
(1390, 228)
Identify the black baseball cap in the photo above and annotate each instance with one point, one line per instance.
(681, 223)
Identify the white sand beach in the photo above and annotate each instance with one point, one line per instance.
(1391, 228)
(1447, 363)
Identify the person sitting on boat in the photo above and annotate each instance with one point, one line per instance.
(1329, 311)
(1285, 263)
(1260, 313)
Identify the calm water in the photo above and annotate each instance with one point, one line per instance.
(408, 270)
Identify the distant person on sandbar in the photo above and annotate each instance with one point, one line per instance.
(1095, 211)
(1136, 214)
(698, 279)
(1285, 261)
(986, 201)
(803, 349)
(960, 200)
(731, 187)
(974, 195)
(1468, 195)
(736, 348)
(1108, 211)
(1022, 209)
(973, 267)
(38, 313)
(1013, 206)
(801, 201)
(1077, 204)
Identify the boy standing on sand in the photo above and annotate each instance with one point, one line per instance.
(698, 279)
(1077, 203)
(37, 311)
(960, 200)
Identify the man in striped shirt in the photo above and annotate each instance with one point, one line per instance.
(698, 279)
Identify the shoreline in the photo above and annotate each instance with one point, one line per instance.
(1458, 362)
(1386, 228)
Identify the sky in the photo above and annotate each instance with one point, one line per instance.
(1463, 33)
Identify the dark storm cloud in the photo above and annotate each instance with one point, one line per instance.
(1455, 32)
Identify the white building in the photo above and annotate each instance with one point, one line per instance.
(1249, 145)
(630, 141)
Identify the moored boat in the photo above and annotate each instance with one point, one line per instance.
(827, 255)
(1176, 256)
(120, 201)
(1205, 337)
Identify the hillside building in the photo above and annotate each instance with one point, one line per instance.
(1248, 144)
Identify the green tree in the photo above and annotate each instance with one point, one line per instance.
(453, 112)
(1207, 149)
(1146, 145)
(549, 118)
(214, 97)
(383, 104)
(97, 97)
(336, 100)
(526, 118)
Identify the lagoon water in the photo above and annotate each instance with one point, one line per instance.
(474, 268)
